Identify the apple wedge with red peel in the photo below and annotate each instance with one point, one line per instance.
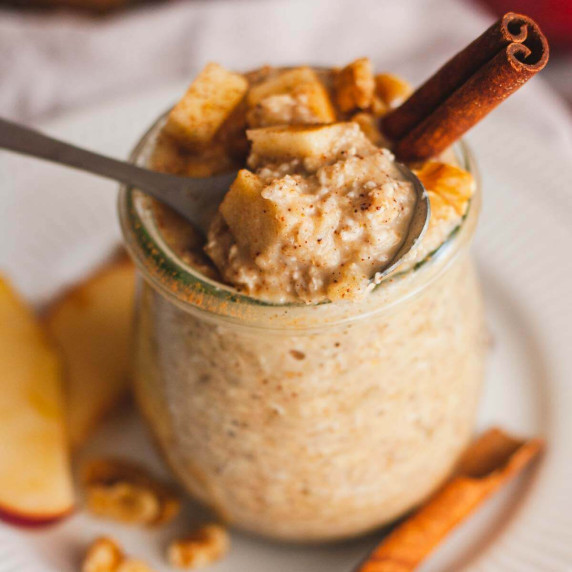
(91, 325)
(35, 476)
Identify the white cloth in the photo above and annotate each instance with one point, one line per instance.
(50, 62)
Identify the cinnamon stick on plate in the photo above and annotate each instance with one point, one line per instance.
(486, 466)
(467, 88)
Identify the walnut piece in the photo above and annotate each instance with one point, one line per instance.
(125, 492)
(204, 546)
(454, 185)
(124, 502)
(105, 555)
(378, 107)
(355, 85)
(391, 89)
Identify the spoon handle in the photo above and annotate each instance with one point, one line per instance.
(15, 137)
(195, 199)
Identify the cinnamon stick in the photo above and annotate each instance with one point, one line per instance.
(487, 465)
(467, 88)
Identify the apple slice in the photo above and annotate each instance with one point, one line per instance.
(299, 141)
(91, 323)
(209, 101)
(35, 476)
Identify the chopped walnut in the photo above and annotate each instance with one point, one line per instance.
(355, 85)
(454, 185)
(125, 492)
(125, 502)
(204, 546)
(391, 89)
(378, 107)
(169, 509)
(104, 555)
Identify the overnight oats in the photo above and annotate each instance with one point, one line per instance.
(288, 387)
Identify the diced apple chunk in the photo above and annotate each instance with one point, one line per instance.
(210, 99)
(91, 324)
(297, 141)
(250, 217)
(35, 476)
(355, 85)
(304, 85)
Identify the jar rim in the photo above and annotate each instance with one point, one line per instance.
(192, 291)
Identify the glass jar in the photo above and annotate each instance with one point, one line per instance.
(307, 422)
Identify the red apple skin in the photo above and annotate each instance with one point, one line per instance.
(13, 517)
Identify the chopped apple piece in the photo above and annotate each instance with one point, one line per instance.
(453, 185)
(303, 85)
(169, 156)
(286, 141)
(35, 477)
(92, 326)
(209, 100)
(391, 89)
(232, 134)
(355, 85)
(250, 217)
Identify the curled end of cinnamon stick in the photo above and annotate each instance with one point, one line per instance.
(467, 88)
(528, 46)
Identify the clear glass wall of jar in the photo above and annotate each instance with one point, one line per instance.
(300, 422)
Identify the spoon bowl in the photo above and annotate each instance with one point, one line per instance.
(417, 225)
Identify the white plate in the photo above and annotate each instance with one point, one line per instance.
(56, 223)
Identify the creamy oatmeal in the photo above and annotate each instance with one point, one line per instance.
(307, 421)
(321, 205)
(315, 227)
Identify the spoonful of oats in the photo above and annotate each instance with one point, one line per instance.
(321, 210)
(320, 213)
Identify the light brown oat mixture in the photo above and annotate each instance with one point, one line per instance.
(319, 228)
(321, 206)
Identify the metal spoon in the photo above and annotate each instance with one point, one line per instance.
(194, 199)
(417, 225)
